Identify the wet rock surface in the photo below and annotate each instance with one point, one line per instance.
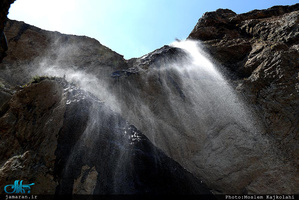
(66, 141)
(100, 153)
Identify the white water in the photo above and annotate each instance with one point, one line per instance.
(210, 93)
(188, 109)
(192, 99)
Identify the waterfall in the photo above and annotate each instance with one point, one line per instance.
(181, 107)
(213, 100)
(110, 156)
(187, 108)
(185, 99)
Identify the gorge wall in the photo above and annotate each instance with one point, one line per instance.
(57, 135)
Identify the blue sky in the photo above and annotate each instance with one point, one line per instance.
(130, 27)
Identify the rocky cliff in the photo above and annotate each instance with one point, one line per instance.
(238, 134)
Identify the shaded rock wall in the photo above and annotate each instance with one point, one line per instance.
(4, 7)
(28, 136)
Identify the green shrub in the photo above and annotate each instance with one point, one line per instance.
(37, 79)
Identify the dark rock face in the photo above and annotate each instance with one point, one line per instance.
(32, 120)
(214, 25)
(260, 48)
(4, 7)
(115, 157)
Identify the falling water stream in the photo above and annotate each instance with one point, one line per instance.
(188, 100)
(188, 110)
(213, 99)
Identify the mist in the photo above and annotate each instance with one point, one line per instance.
(178, 98)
